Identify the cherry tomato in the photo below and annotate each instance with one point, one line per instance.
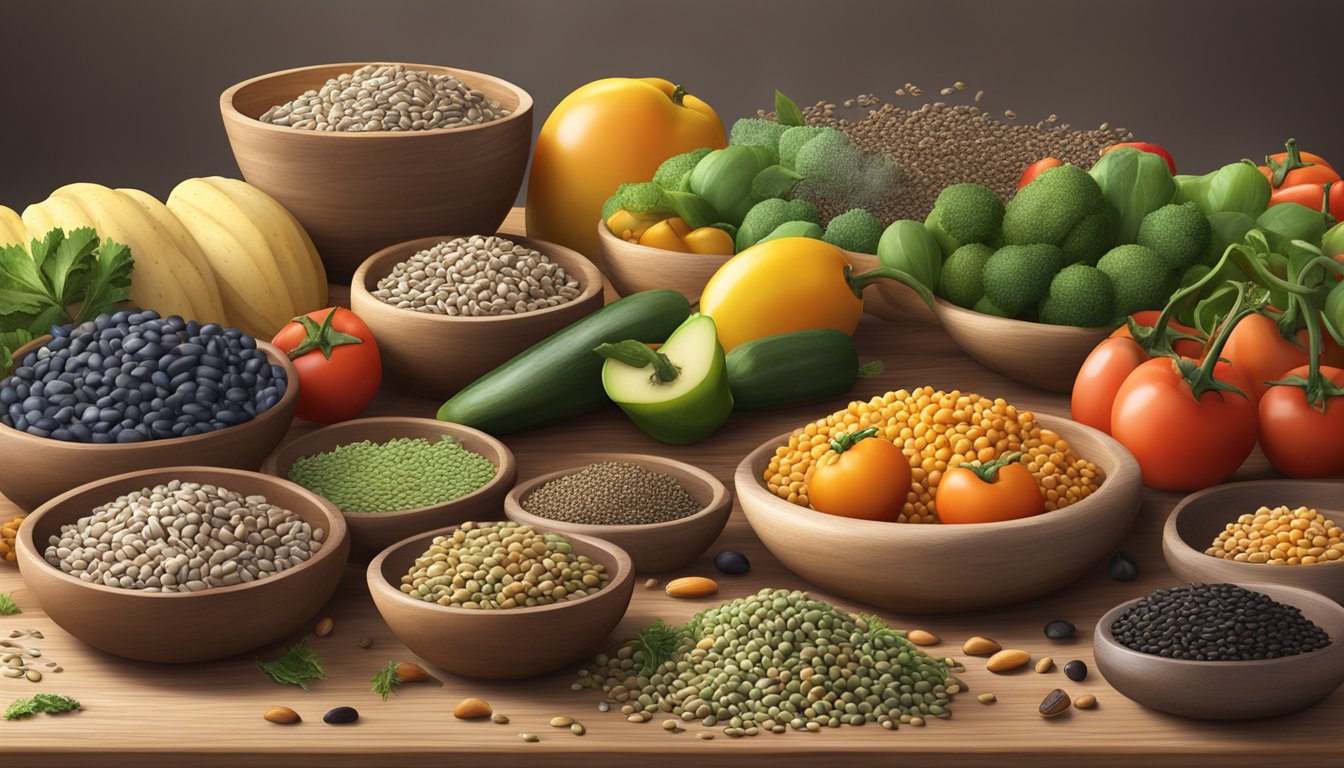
(1144, 146)
(1100, 377)
(1148, 318)
(863, 478)
(1299, 440)
(1036, 168)
(1001, 490)
(1258, 350)
(1181, 443)
(338, 362)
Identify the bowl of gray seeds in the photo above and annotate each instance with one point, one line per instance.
(664, 513)
(447, 310)
(369, 154)
(183, 564)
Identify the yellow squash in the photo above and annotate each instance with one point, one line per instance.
(11, 228)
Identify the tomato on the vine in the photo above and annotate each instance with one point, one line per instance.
(1260, 351)
(1192, 347)
(339, 365)
(1115, 358)
(1298, 438)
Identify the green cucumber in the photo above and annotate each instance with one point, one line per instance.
(560, 376)
(793, 368)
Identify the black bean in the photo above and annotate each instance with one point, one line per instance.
(1122, 566)
(1076, 670)
(1059, 629)
(341, 716)
(732, 562)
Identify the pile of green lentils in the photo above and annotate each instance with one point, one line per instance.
(776, 660)
(400, 474)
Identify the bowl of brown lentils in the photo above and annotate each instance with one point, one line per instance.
(368, 154)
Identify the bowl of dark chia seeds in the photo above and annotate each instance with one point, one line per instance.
(368, 154)
(664, 513)
(1223, 651)
(183, 564)
(132, 390)
(446, 310)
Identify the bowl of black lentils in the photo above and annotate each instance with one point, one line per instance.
(183, 564)
(664, 513)
(1223, 651)
(133, 390)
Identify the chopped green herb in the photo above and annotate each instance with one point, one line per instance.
(657, 643)
(48, 703)
(297, 666)
(385, 680)
(7, 605)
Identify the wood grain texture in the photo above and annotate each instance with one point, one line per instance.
(436, 355)
(656, 547)
(371, 533)
(28, 482)
(152, 715)
(356, 193)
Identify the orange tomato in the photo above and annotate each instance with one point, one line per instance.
(864, 478)
(1294, 167)
(1032, 171)
(1001, 490)
(1261, 353)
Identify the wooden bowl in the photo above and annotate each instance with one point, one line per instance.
(372, 532)
(936, 568)
(632, 267)
(40, 468)
(889, 299)
(504, 644)
(183, 627)
(437, 355)
(1228, 690)
(1200, 517)
(355, 193)
(1038, 354)
(655, 547)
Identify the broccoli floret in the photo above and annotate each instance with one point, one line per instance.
(968, 213)
(1079, 295)
(674, 169)
(641, 197)
(1055, 204)
(962, 281)
(792, 139)
(854, 230)
(836, 171)
(1141, 278)
(765, 216)
(755, 132)
(1017, 277)
(1180, 234)
(610, 207)
(793, 229)
(986, 307)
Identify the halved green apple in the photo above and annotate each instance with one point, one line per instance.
(678, 394)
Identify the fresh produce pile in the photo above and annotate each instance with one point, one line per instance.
(612, 493)
(1280, 536)
(400, 474)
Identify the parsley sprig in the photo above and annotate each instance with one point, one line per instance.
(42, 703)
(297, 666)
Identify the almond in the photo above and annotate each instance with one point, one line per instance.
(472, 709)
(692, 586)
(920, 637)
(1003, 661)
(1045, 665)
(1086, 701)
(324, 627)
(281, 715)
(411, 673)
(980, 646)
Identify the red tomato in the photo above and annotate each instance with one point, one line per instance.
(1299, 440)
(1035, 169)
(1148, 318)
(1183, 444)
(1144, 146)
(338, 362)
(1259, 351)
(1100, 377)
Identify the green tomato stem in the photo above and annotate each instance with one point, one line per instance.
(321, 337)
(1290, 163)
(1317, 387)
(1200, 375)
(678, 96)
(845, 442)
(638, 355)
(858, 282)
(989, 472)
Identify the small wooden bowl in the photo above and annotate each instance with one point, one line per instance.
(355, 193)
(1200, 517)
(889, 564)
(632, 267)
(1038, 354)
(1228, 690)
(504, 644)
(183, 627)
(437, 355)
(655, 547)
(40, 468)
(372, 532)
(889, 299)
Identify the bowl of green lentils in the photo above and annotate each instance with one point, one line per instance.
(664, 513)
(394, 477)
(501, 600)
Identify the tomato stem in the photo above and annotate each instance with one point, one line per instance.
(1200, 375)
(989, 471)
(858, 282)
(1317, 387)
(845, 442)
(320, 337)
(1281, 168)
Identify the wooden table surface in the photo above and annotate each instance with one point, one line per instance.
(143, 714)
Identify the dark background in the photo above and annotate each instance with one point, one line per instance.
(125, 92)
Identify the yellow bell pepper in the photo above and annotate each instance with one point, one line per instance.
(710, 241)
(790, 284)
(668, 234)
(631, 226)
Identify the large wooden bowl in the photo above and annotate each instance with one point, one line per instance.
(183, 627)
(1200, 517)
(936, 568)
(39, 468)
(889, 299)
(1228, 690)
(437, 355)
(372, 532)
(1039, 354)
(501, 644)
(632, 267)
(655, 547)
(355, 193)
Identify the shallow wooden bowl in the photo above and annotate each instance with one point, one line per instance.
(632, 267)
(1200, 517)
(372, 532)
(504, 644)
(437, 355)
(655, 547)
(1038, 354)
(1228, 690)
(183, 627)
(39, 468)
(355, 193)
(889, 299)
(906, 566)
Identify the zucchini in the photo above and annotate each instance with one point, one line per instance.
(793, 368)
(560, 376)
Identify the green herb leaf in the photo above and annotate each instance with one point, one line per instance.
(107, 283)
(297, 666)
(38, 289)
(656, 644)
(787, 111)
(7, 605)
(64, 265)
(48, 703)
(385, 681)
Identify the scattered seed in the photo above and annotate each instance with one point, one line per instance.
(706, 735)
(12, 672)
(960, 86)
(341, 716)
(1086, 701)
(1010, 114)
(671, 725)
(365, 642)
(604, 706)
(921, 637)
(1007, 660)
(637, 718)
(34, 676)
(499, 719)
(1122, 566)
(1055, 703)
(691, 586)
(577, 729)
(981, 94)
(986, 698)
(651, 584)
(281, 715)
(732, 562)
(471, 709)
(561, 721)
(411, 673)
(980, 646)
(1045, 665)
(324, 627)
(1076, 670)
(529, 737)
(1059, 629)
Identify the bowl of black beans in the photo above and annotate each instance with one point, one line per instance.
(133, 390)
(1223, 651)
